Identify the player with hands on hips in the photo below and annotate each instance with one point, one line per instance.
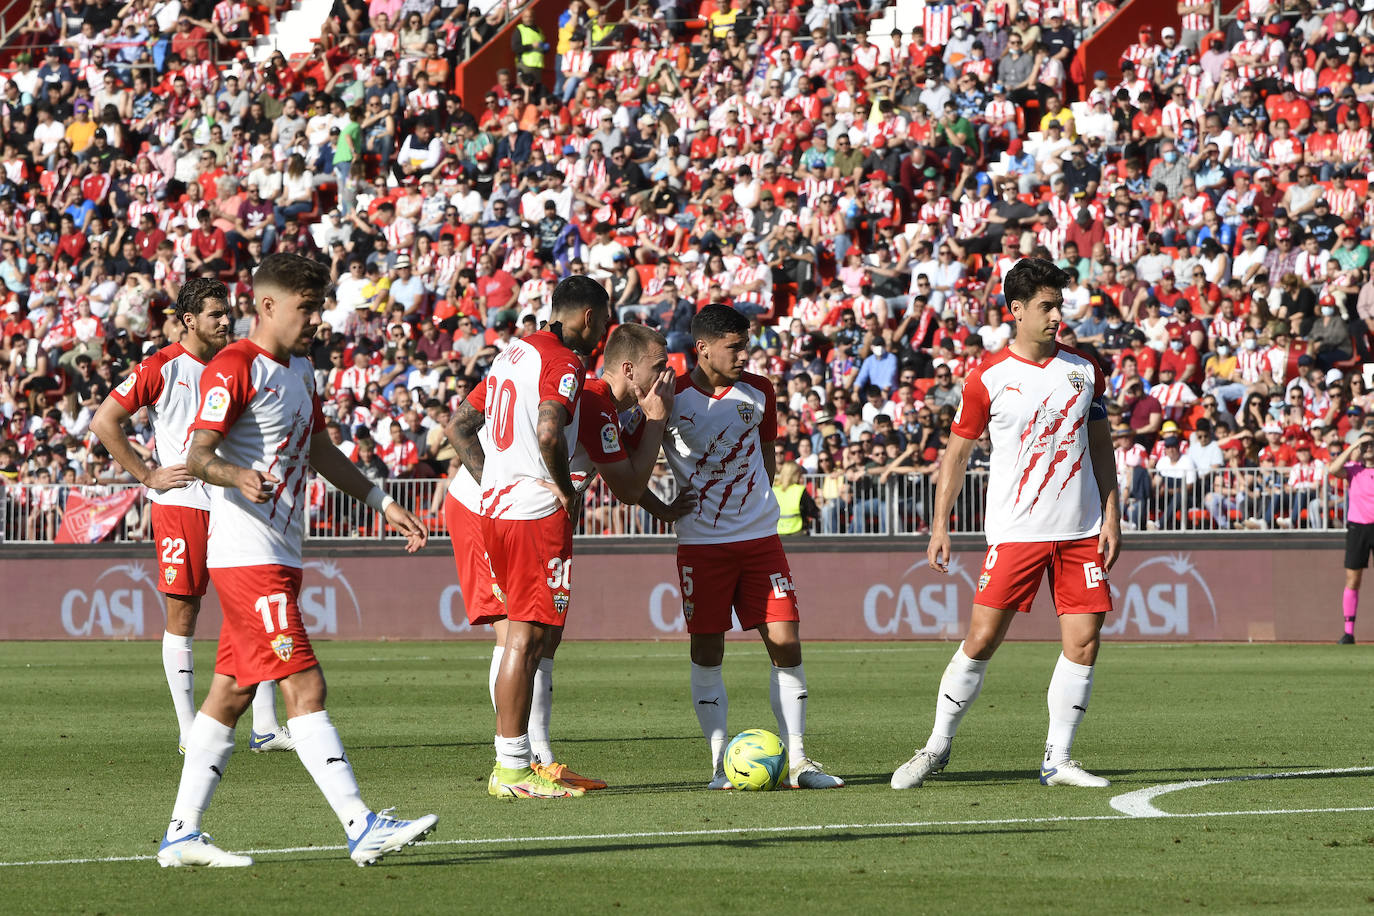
(517, 436)
(167, 385)
(256, 435)
(1052, 507)
(635, 379)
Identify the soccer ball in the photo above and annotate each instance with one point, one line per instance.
(755, 761)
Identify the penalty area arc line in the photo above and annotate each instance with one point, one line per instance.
(730, 831)
(1140, 803)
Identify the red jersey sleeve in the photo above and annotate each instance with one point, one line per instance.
(768, 424)
(598, 430)
(478, 397)
(143, 386)
(226, 388)
(1099, 381)
(975, 408)
(560, 380)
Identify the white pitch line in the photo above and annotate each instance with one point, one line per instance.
(1140, 802)
(731, 831)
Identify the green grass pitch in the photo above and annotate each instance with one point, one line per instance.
(88, 770)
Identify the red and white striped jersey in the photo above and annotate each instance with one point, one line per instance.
(1175, 399)
(1285, 151)
(1124, 241)
(1306, 476)
(1251, 364)
(356, 380)
(153, 181)
(530, 371)
(1053, 240)
(1222, 329)
(1343, 202)
(1174, 115)
(167, 383)
(1196, 85)
(399, 233)
(227, 11)
(1193, 208)
(422, 100)
(1353, 145)
(1041, 485)
(590, 176)
(936, 20)
(1003, 112)
(267, 411)
(1310, 267)
(746, 274)
(137, 210)
(714, 445)
(577, 63)
(1197, 22)
(973, 215)
(199, 75)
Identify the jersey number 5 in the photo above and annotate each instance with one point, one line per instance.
(501, 416)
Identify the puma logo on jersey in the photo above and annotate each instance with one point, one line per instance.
(276, 391)
(1016, 388)
(688, 418)
(226, 379)
(183, 385)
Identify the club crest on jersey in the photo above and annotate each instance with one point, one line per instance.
(746, 412)
(688, 606)
(610, 438)
(1078, 380)
(983, 581)
(283, 645)
(216, 405)
(128, 384)
(169, 575)
(567, 385)
(560, 603)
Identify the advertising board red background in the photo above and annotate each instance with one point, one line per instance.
(881, 592)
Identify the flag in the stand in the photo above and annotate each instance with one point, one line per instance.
(88, 520)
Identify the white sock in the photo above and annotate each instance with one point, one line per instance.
(513, 753)
(208, 746)
(712, 706)
(787, 694)
(496, 655)
(1070, 687)
(541, 712)
(959, 687)
(265, 709)
(178, 663)
(319, 747)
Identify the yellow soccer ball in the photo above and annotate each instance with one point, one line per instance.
(755, 761)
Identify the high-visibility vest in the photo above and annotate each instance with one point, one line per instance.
(531, 37)
(790, 502)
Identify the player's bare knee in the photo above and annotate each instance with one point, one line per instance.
(1082, 651)
(303, 692)
(553, 638)
(1353, 578)
(182, 611)
(708, 650)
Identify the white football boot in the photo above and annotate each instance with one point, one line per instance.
(913, 773)
(1071, 773)
(808, 774)
(197, 849)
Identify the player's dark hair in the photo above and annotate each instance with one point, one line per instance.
(715, 321)
(1029, 276)
(291, 273)
(194, 292)
(578, 292)
(629, 342)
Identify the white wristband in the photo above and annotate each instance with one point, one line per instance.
(378, 500)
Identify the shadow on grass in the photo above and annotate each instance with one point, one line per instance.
(487, 743)
(733, 841)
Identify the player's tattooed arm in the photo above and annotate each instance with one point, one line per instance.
(553, 447)
(462, 433)
(203, 462)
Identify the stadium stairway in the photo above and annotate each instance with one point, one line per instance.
(294, 32)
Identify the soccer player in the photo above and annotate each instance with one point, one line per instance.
(167, 383)
(526, 426)
(1356, 464)
(636, 373)
(257, 433)
(1052, 507)
(719, 445)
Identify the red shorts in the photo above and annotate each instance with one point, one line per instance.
(180, 535)
(1078, 579)
(531, 560)
(752, 577)
(481, 597)
(263, 637)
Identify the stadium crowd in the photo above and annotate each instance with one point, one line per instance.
(859, 196)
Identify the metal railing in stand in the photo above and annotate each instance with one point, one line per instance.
(855, 504)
